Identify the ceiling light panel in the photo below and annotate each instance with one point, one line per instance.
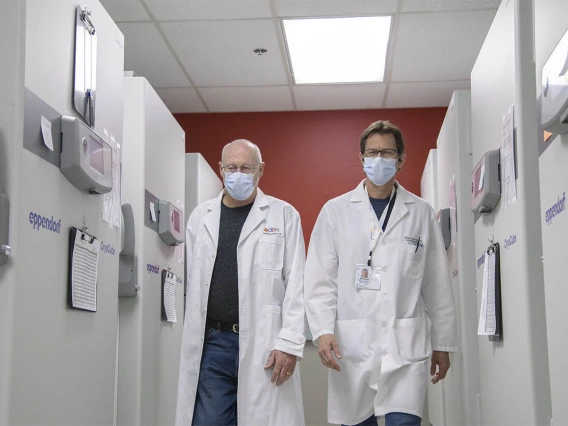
(337, 50)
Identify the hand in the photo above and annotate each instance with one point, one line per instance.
(442, 360)
(328, 345)
(283, 365)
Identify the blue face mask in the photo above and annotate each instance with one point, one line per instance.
(239, 185)
(380, 170)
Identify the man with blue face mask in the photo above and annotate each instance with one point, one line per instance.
(378, 293)
(244, 328)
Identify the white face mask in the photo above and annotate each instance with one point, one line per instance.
(380, 170)
(239, 185)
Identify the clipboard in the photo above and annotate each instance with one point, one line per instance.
(493, 250)
(82, 283)
(169, 296)
(490, 315)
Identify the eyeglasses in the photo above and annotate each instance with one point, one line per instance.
(385, 153)
(247, 170)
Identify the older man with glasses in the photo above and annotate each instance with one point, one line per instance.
(378, 293)
(244, 327)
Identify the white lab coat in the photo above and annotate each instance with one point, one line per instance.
(271, 257)
(385, 336)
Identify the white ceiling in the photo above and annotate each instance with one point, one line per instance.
(198, 54)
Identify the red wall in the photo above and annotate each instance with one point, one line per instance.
(312, 156)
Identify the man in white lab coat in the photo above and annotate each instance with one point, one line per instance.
(244, 326)
(378, 292)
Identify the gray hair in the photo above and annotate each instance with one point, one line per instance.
(246, 142)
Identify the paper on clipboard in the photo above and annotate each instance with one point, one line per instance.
(488, 315)
(112, 201)
(84, 268)
(169, 296)
(508, 159)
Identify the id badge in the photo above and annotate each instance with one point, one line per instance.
(362, 276)
(367, 278)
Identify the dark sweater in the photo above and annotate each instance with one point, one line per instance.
(223, 304)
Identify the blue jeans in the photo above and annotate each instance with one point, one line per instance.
(216, 400)
(393, 419)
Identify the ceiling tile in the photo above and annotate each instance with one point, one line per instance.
(181, 100)
(347, 96)
(241, 99)
(439, 46)
(125, 10)
(298, 8)
(220, 53)
(432, 5)
(183, 10)
(146, 53)
(418, 95)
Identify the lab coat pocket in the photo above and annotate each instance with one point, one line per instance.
(351, 338)
(271, 252)
(412, 260)
(413, 336)
(273, 325)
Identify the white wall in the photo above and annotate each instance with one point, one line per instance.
(514, 372)
(550, 25)
(461, 386)
(12, 46)
(149, 348)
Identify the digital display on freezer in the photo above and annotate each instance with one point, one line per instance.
(96, 154)
(176, 220)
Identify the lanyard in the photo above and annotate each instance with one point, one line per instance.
(374, 236)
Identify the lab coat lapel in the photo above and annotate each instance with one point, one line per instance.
(213, 218)
(256, 216)
(399, 210)
(360, 196)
